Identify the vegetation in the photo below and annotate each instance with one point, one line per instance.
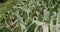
(30, 16)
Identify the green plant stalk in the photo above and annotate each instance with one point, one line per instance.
(51, 26)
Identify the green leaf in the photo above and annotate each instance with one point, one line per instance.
(31, 28)
(6, 29)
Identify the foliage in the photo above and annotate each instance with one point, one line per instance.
(29, 15)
